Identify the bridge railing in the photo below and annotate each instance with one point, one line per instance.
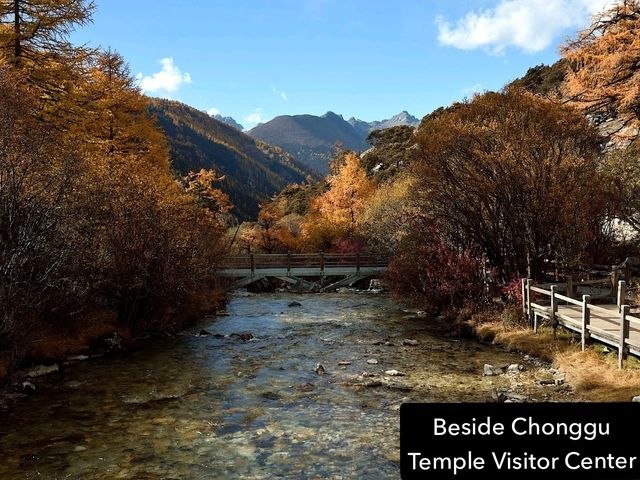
(615, 327)
(290, 261)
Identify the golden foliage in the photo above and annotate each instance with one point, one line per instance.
(604, 59)
(386, 220)
(513, 177)
(349, 193)
(91, 215)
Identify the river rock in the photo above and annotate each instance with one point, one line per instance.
(394, 373)
(372, 361)
(42, 370)
(319, 369)
(245, 336)
(515, 398)
(559, 378)
(371, 383)
(369, 374)
(636, 399)
(497, 396)
(410, 342)
(490, 370)
(77, 358)
(403, 387)
(203, 333)
(28, 388)
(295, 304)
(344, 363)
(515, 368)
(271, 396)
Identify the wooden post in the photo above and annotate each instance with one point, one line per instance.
(622, 294)
(321, 269)
(624, 311)
(252, 261)
(529, 296)
(627, 273)
(288, 263)
(569, 281)
(552, 314)
(585, 320)
(524, 296)
(535, 329)
(614, 281)
(358, 262)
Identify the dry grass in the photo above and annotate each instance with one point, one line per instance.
(594, 375)
(54, 345)
(520, 339)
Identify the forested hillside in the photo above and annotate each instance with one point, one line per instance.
(252, 170)
(309, 138)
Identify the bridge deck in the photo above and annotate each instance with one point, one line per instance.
(300, 271)
(611, 324)
(295, 268)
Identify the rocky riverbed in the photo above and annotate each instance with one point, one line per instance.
(271, 389)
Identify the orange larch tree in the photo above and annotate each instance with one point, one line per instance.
(604, 65)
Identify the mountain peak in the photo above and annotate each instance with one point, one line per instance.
(402, 118)
(332, 115)
(229, 121)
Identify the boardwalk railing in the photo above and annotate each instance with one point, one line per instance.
(292, 261)
(609, 324)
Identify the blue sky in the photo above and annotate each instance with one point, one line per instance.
(256, 59)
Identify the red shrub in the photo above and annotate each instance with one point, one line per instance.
(512, 291)
(436, 275)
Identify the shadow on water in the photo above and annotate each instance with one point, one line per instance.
(210, 407)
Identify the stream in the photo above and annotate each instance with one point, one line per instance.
(230, 406)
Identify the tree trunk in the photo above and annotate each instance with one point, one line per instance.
(17, 44)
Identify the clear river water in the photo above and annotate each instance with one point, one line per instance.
(222, 406)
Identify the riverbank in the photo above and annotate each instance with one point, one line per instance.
(95, 333)
(593, 373)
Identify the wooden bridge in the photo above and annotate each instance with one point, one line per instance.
(608, 323)
(308, 271)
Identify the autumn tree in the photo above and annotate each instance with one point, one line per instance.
(348, 194)
(336, 213)
(387, 218)
(38, 173)
(622, 173)
(604, 61)
(34, 38)
(115, 113)
(202, 186)
(513, 177)
(37, 29)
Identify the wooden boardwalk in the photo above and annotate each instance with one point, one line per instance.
(611, 324)
(309, 271)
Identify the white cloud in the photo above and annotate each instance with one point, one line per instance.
(254, 117)
(280, 93)
(168, 80)
(530, 25)
(213, 111)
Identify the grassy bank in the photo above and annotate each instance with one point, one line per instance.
(99, 331)
(593, 373)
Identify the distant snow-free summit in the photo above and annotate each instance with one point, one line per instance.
(229, 121)
(312, 139)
